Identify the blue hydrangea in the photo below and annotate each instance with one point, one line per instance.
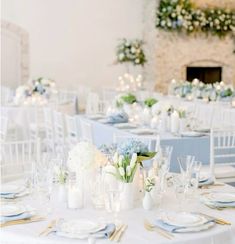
(108, 149)
(128, 147)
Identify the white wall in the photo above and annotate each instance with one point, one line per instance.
(73, 41)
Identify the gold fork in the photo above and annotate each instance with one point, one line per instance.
(48, 229)
(148, 226)
(118, 229)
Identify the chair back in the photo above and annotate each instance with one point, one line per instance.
(86, 131)
(222, 151)
(72, 129)
(18, 158)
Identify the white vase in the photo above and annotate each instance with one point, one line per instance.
(147, 201)
(174, 122)
(62, 193)
(128, 108)
(127, 196)
(182, 125)
(147, 116)
(154, 122)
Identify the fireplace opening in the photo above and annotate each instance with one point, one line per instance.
(204, 74)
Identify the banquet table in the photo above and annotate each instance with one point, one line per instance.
(134, 218)
(198, 146)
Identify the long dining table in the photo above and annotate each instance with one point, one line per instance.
(199, 146)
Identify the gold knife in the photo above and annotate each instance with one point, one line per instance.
(22, 221)
(120, 233)
(111, 238)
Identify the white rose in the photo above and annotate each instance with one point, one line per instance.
(128, 171)
(120, 160)
(133, 50)
(115, 157)
(133, 160)
(137, 61)
(121, 171)
(121, 56)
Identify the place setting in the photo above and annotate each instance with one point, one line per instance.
(16, 214)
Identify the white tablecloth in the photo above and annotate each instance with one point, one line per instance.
(135, 234)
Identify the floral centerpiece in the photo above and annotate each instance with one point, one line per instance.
(132, 146)
(131, 51)
(42, 85)
(149, 102)
(84, 156)
(127, 98)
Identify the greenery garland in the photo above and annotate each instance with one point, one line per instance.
(181, 15)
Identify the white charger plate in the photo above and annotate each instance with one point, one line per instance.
(125, 126)
(11, 210)
(191, 134)
(196, 228)
(95, 116)
(184, 219)
(78, 228)
(222, 197)
(142, 131)
(11, 189)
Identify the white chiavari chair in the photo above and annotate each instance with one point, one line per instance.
(6, 95)
(3, 128)
(69, 98)
(49, 130)
(222, 155)
(18, 159)
(92, 103)
(86, 131)
(72, 130)
(59, 130)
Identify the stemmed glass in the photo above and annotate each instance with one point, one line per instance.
(196, 173)
(164, 164)
(186, 164)
(114, 199)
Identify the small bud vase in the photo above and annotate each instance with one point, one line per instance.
(148, 201)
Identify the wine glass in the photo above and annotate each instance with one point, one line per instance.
(114, 199)
(164, 163)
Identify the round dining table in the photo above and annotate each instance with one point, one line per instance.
(134, 219)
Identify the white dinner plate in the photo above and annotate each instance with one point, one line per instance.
(11, 189)
(95, 116)
(191, 134)
(11, 210)
(196, 228)
(125, 126)
(184, 219)
(202, 130)
(79, 228)
(142, 131)
(222, 197)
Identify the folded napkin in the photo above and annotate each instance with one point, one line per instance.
(220, 204)
(208, 181)
(25, 215)
(120, 117)
(13, 195)
(106, 232)
(175, 229)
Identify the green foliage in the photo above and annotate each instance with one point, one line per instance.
(129, 98)
(150, 102)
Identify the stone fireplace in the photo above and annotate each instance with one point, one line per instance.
(170, 54)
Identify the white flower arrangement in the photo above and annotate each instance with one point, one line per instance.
(125, 167)
(85, 156)
(131, 51)
(182, 16)
(42, 85)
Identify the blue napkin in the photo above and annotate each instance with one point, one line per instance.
(221, 204)
(117, 118)
(173, 228)
(106, 232)
(25, 215)
(205, 182)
